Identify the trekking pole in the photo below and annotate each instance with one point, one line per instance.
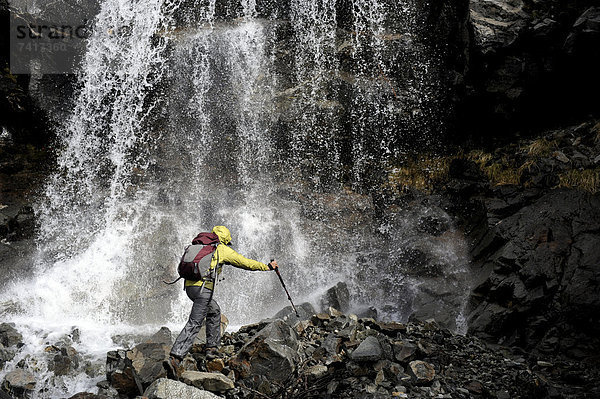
(286, 291)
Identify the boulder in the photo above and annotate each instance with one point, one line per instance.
(168, 389)
(130, 372)
(63, 360)
(147, 363)
(337, 297)
(162, 336)
(272, 351)
(214, 382)
(19, 383)
(9, 336)
(6, 355)
(119, 372)
(287, 314)
(404, 350)
(368, 350)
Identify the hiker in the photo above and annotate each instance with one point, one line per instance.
(201, 293)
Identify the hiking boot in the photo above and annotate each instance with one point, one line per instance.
(173, 368)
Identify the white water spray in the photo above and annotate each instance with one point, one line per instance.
(176, 130)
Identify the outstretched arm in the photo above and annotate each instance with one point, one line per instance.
(228, 255)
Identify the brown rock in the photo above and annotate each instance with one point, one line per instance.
(214, 382)
(215, 365)
(421, 372)
(475, 387)
(391, 329)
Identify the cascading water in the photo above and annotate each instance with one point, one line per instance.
(273, 124)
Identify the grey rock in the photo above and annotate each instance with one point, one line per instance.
(19, 383)
(88, 395)
(162, 336)
(272, 351)
(585, 33)
(404, 350)
(147, 363)
(316, 371)
(9, 336)
(63, 360)
(214, 382)
(368, 350)
(542, 363)
(369, 312)
(497, 23)
(561, 157)
(287, 314)
(337, 297)
(6, 355)
(168, 389)
(546, 264)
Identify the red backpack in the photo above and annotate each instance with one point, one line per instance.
(195, 261)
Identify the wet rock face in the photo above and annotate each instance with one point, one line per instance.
(497, 24)
(543, 273)
(531, 241)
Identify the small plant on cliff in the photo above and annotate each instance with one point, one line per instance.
(587, 179)
(541, 147)
(422, 174)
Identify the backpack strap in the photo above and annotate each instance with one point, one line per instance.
(179, 278)
(172, 282)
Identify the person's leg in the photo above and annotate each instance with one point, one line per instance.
(186, 338)
(213, 325)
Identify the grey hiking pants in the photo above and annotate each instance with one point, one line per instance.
(204, 308)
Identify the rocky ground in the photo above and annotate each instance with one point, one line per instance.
(324, 355)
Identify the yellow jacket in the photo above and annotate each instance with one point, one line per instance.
(226, 255)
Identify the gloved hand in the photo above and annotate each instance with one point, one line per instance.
(273, 265)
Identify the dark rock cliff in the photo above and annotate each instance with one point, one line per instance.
(532, 65)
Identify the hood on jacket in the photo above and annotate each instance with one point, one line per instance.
(223, 233)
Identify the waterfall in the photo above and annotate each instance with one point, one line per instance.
(273, 125)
